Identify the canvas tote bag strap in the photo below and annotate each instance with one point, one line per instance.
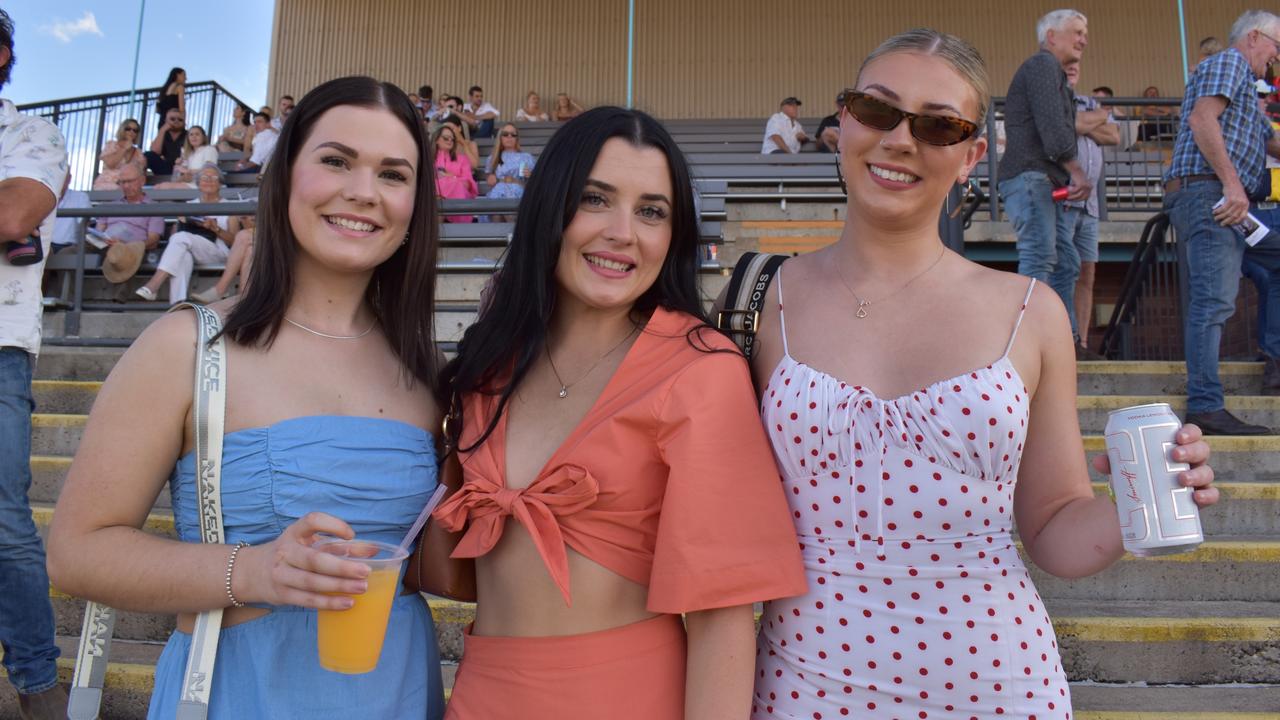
(745, 296)
(209, 408)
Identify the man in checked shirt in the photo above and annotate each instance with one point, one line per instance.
(1219, 154)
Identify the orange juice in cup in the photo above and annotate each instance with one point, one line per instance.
(350, 640)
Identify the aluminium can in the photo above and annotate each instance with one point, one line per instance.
(1157, 513)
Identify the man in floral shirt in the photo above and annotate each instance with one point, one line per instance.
(33, 165)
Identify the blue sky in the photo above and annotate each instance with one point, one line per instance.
(67, 48)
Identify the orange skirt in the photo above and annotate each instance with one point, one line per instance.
(636, 671)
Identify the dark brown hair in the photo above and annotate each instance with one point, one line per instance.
(402, 291)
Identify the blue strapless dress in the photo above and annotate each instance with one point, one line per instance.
(376, 475)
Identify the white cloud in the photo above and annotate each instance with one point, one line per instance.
(65, 30)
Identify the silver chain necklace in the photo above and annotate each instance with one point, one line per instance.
(300, 326)
(564, 387)
(864, 304)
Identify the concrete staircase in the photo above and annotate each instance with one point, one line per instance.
(1172, 638)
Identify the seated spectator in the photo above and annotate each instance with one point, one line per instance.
(264, 142)
(197, 241)
(66, 230)
(196, 153)
(482, 114)
(455, 177)
(426, 101)
(236, 265)
(508, 168)
(166, 148)
(1158, 122)
(828, 135)
(465, 144)
(235, 137)
(173, 96)
(285, 107)
(120, 152)
(566, 108)
(144, 230)
(783, 133)
(1209, 46)
(532, 110)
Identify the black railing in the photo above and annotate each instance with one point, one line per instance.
(1146, 323)
(89, 122)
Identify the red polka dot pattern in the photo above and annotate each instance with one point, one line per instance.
(918, 603)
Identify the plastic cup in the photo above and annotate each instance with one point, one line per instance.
(350, 640)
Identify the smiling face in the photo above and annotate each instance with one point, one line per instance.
(893, 178)
(196, 137)
(209, 182)
(1067, 43)
(1262, 47)
(615, 245)
(353, 184)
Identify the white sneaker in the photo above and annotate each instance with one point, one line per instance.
(145, 293)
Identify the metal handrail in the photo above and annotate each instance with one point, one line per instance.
(1145, 256)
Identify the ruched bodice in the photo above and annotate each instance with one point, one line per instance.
(919, 604)
(376, 475)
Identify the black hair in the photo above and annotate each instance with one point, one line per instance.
(246, 114)
(261, 114)
(6, 40)
(475, 89)
(173, 76)
(425, 91)
(287, 97)
(497, 352)
(402, 290)
(1105, 90)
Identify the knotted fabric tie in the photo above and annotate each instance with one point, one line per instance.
(482, 506)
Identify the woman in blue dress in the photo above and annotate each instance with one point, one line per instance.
(330, 376)
(508, 168)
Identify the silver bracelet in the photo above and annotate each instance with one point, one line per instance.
(231, 564)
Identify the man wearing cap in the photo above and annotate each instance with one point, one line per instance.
(828, 135)
(783, 133)
(1219, 158)
(33, 164)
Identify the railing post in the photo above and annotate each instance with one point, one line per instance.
(71, 324)
(993, 183)
(97, 144)
(213, 109)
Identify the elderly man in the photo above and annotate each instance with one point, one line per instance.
(1077, 240)
(1040, 146)
(166, 148)
(783, 132)
(1218, 160)
(33, 163)
(131, 229)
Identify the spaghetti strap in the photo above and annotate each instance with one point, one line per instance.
(1021, 312)
(782, 317)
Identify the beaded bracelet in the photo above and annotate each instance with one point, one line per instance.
(231, 564)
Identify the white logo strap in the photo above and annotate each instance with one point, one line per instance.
(209, 405)
(91, 662)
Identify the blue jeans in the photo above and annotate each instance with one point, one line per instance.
(1214, 258)
(1028, 201)
(484, 129)
(26, 618)
(1077, 240)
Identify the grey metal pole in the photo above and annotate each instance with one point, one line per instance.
(631, 51)
(137, 51)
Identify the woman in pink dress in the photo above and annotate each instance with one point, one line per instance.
(455, 175)
(118, 153)
(904, 487)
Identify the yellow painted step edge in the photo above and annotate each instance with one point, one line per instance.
(1223, 443)
(1163, 629)
(1158, 367)
(90, 385)
(58, 420)
(1230, 490)
(120, 676)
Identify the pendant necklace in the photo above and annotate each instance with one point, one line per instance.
(564, 387)
(864, 304)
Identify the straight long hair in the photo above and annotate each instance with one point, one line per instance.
(402, 290)
(497, 352)
(495, 159)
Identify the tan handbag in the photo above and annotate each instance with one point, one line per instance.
(430, 569)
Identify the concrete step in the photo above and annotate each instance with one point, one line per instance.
(75, 363)
(128, 684)
(1168, 642)
(1109, 377)
(450, 321)
(1141, 701)
(1260, 409)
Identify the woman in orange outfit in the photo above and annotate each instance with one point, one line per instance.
(615, 475)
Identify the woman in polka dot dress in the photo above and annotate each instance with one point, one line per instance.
(904, 488)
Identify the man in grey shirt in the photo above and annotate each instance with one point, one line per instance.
(1040, 145)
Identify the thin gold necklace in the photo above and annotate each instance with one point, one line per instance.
(864, 304)
(300, 326)
(564, 387)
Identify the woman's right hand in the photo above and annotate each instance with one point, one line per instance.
(289, 571)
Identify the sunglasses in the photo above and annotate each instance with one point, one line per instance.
(929, 129)
(510, 134)
(131, 129)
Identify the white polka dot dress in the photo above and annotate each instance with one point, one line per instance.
(918, 606)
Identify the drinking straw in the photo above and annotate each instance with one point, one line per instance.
(436, 497)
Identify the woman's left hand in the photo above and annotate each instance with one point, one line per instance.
(1191, 449)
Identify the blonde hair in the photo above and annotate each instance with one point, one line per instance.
(954, 51)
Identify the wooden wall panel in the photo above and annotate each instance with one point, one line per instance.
(702, 58)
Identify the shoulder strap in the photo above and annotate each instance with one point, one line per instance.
(1026, 300)
(740, 317)
(209, 398)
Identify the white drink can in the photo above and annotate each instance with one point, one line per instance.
(1157, 513)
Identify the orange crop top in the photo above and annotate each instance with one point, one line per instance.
(668, 480)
